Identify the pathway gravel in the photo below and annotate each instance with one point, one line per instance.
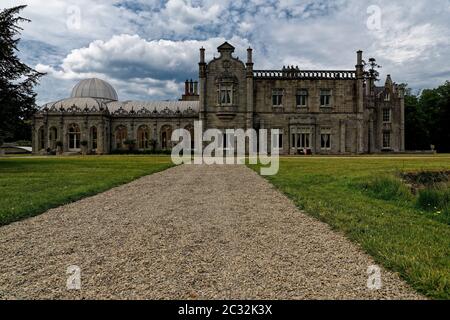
(190, 232)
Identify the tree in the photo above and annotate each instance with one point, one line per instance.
(427, 118)
(17, 80)
(417, 136)
(372, 67)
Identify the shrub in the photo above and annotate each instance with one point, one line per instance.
(146, 152)
(387, 188)
(23, 143)
(427, 178)
(84, 143)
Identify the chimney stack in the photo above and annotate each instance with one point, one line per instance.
(359, 65)
(249, 55)
(196, 88)
(359, 58)
(202, 55)
(186, 87)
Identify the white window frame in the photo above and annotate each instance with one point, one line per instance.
(325, 132)
(329, 97)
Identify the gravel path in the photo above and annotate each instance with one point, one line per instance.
(191, 232)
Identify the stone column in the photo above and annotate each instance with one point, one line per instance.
(65, 138)
(342, 138)
(371, 136)
(101, 138)
(402, 120)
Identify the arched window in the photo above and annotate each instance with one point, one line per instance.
(121, 136)
(166, 135)
(74, 137)
(53, 137)
(41, 138)
(143, 135)
(93, 138)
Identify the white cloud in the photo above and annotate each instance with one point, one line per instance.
(412, 44)
(138, 67)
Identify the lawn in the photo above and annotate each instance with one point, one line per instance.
(31, 185)
(391, 228)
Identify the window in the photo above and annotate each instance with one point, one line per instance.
(190, 128)
(386, 140)
(325, 139)
(304, 140)
(386, 115)
(166, 135)
(121, 136)
(74, 137)
(279, 144)
(325, 98)
(277, 97)
(225, 95)
(301, 137)
(302, 98)
(387, 96)
(143, 137)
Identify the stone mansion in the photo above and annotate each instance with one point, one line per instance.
(317, 111)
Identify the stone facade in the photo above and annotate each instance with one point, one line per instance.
(318, 112)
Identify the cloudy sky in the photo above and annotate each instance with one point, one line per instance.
(147, 48)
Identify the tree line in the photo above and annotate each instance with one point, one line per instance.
(427, 119)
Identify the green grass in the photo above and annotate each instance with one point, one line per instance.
(363, 198)
(31, 185)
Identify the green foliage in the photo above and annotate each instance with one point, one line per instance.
(434, 198)
(427, 177)
(143, 152)
(426, 119)
(129, 142)
(387, 188)
(23, 143)
(17, 80)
